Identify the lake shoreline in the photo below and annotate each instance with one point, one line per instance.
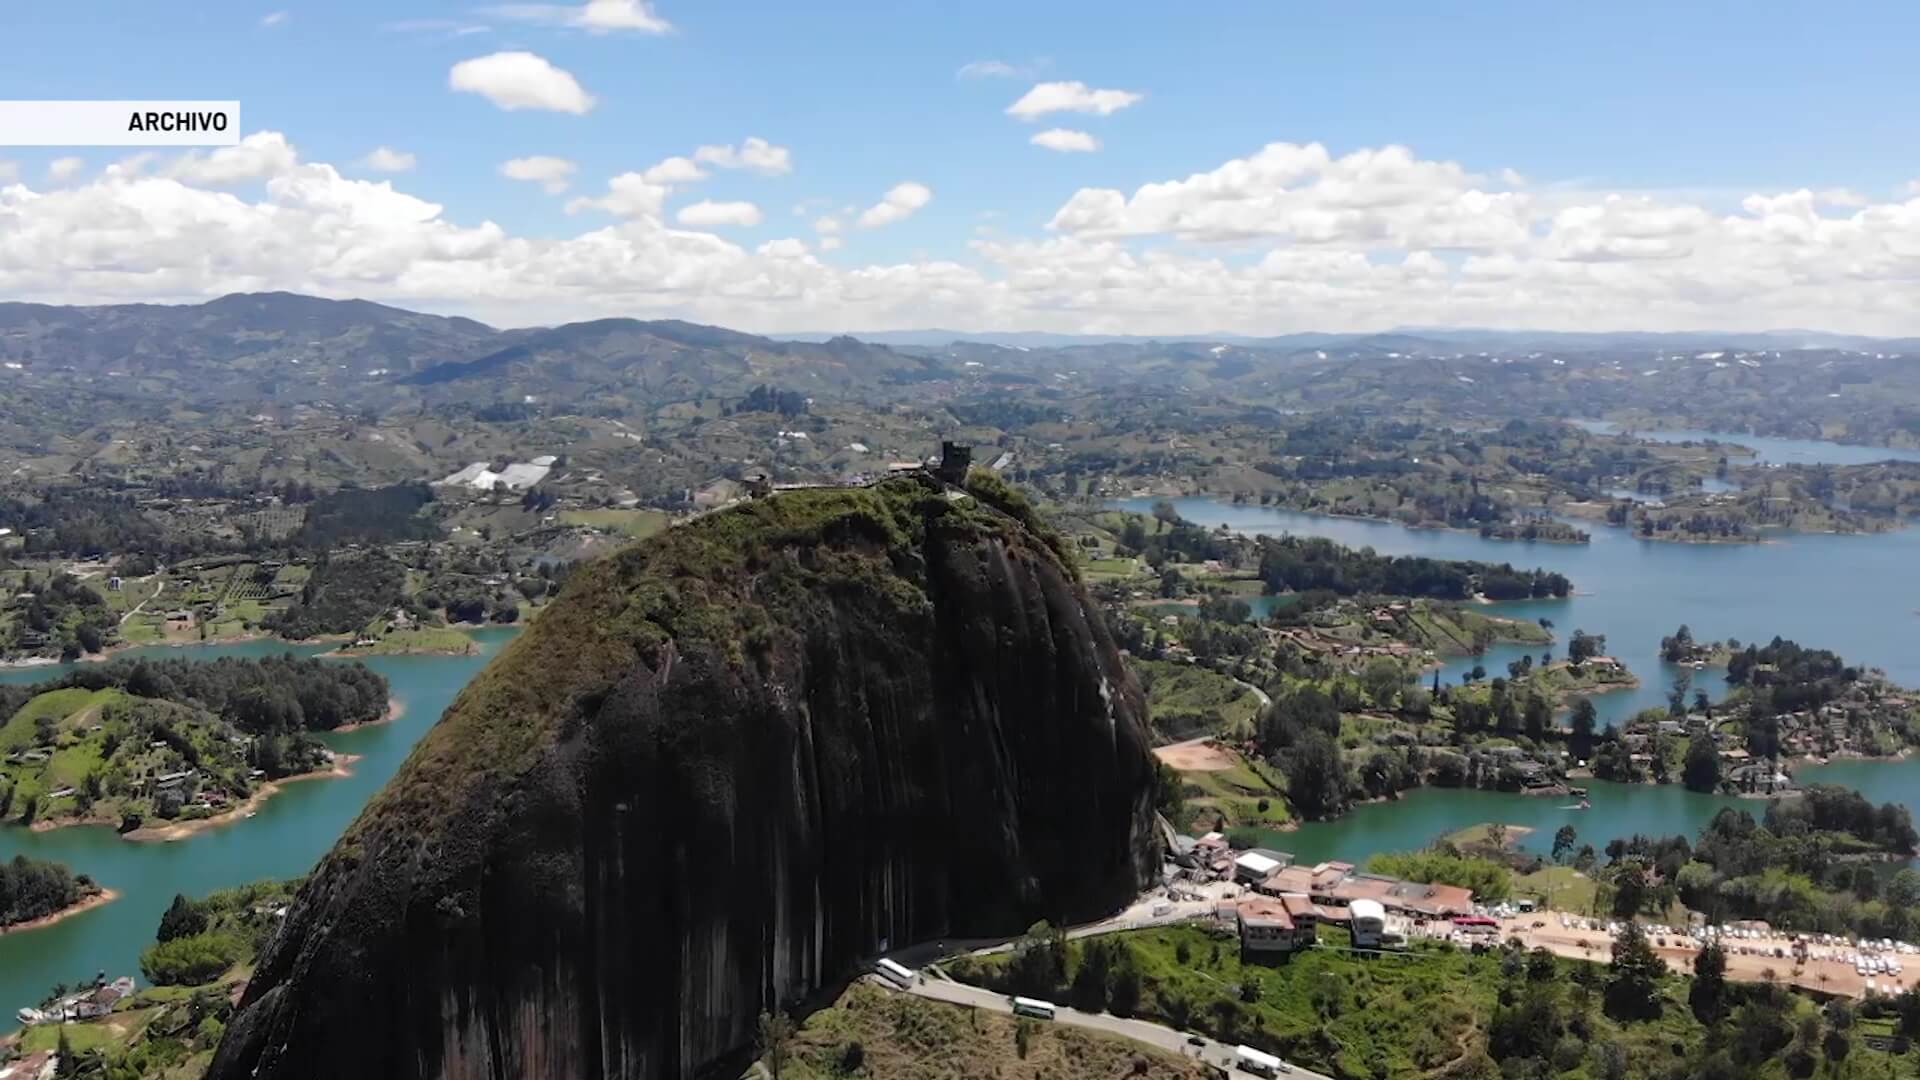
(395, 710)
(86, 904)
(180, 830)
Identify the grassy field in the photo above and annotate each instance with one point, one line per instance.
(55, 705)
(1185, 701)
(634, 523)
(1111, 568)
(905, 1038)
(1235, 794)
(440, 640)
(1560, 887)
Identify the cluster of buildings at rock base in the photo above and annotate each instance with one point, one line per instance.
(1285, 903)
(88, 1003)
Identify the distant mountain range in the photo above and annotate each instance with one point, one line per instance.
(286, 348)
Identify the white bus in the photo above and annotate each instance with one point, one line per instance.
(900, 976)
(1034, 1007)
(1247, 1059)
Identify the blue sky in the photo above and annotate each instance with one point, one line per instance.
(1696, 104)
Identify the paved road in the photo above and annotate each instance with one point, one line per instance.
(1154, 1035)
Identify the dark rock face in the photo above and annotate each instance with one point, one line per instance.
(723, 768)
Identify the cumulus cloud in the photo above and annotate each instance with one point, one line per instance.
(1066, 140)
(9, 171)
(256, 157)
(1385, 197)
(387, 159)
(551, 173)
(755, 154)
(826, 225)
(708, 214)
(520, 80)
(630, 194)
(1366, 240)
(899, 203)
(1053, 97)
(62, 169)
(595, 16)
(274, 18)
(675, 170)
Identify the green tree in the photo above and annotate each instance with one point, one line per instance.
(1090, 979)
(1633, 977)
(1563, 840)
(1583, 647)
(1316, 776)
(1707, 996)
(1538, 717)
(1701, 770)
(1584, 720)
(182, 919)
(1124, 1000)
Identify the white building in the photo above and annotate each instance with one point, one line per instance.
(1252, 867)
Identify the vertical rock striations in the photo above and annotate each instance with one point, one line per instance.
(725, 766)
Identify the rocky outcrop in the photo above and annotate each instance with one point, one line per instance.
(723, 768)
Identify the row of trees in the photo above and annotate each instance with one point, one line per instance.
(1294, 563)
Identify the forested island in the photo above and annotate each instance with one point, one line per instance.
(135, 743)
(34, 891)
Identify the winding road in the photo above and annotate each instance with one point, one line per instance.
(1162, 1038)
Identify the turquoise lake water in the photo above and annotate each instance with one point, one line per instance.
(1857, 595)
(284, 839)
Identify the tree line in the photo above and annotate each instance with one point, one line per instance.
(265, 695)
(1294, 563)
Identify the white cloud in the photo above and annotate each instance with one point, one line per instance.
(595, 16)
(551, 173)
(630, 194)
(62, 169)
(708, 214)
(520, 80)
(258, 156)
(987, 69)
(826, 225)
(449, 27)
(755, 153)
(675, 170)
(1066, 140)
(1384, 198)
(1001, 69)
(1052, 97)
(900, 202)
(387, 159)
(1306, 239)
(9, 171)
(274, 18)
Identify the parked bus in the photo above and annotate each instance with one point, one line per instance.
(1034, 1007)
(898, 975)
